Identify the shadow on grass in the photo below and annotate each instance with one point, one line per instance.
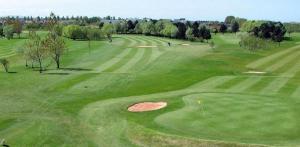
(75, 69)
(60, 74)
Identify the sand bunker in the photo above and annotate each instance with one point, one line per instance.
(185, 44)
(147, 106)
(255, 72)
(144, 46)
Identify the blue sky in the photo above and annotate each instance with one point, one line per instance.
(279, 10)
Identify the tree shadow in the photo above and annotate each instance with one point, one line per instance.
(12, 72)
(60, 74)
(75, 69)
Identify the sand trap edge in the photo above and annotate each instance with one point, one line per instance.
(160, 105)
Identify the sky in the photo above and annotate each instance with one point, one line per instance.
(277, 10)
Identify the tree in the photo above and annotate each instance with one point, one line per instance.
(8, 31)
(130, 26)
(148, 28)
(108, 29)
(204, 33)
(189, 34)
(223, 28)
(36, 49)
(235, 27)
(278, 32)
(170, 30)
(56, 47)
(4, 63)
(75, 32)
(93, 34)
(253, 43)
(229, 19)
(101, 24)
(1, 31)
(195, 28)
(181, 30)
(159, 26)
(18, 27)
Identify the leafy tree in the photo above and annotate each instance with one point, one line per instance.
(204, 33)
(18, 27)
(74, 32)
(93, 34)
(101, 24)
(189, 34)
(235, 27)
(278, 32)
(170, 30)
(148, 28)
(130, 26)
(181, 30)
(8, 31)
(1, 31)
(229, 19)
(36, 49)
(159, 26)
(223, 28)
(195, 28)
(56, 47)
(272, 30)
(253, 43)
(5, 64)
(108, 29)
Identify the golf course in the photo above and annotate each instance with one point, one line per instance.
(216, 96)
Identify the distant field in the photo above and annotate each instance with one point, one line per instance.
(212, 101)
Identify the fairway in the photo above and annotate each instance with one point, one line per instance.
(226, 96)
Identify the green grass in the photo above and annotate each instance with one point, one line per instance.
(211, 102)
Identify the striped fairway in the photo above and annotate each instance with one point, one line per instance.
(296, 93)
(132, 62)
(283, 61)
(274, 57)
(244, 85)
(113, 61)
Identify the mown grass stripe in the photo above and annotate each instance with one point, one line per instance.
(145, 59)
(271, 58)
(275, 85)
(146, 41)
(155, 54)
(283, 61)
(279, 82)
(156, 42)
(138, 41)
(244, 85)
(112, 61)
(296, 93)
(122, 62)
(212, 83)
(261, 84)
(231, 83)
(291, 86)
(137, 57)
(132, 43)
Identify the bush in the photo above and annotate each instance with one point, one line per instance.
(75, 32)
(8, 31)
(94, 34)
(253, 43)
